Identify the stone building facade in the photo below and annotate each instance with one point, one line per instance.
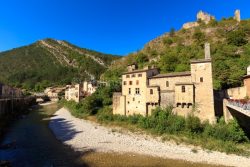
(53, 92)
(191, 91)
(79, 91)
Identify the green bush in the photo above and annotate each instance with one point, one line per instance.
(193, 124)
(237, 38)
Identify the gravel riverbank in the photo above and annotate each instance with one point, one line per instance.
(85, 135)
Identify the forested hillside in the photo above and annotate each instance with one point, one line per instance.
(51, 62)
(172, 52)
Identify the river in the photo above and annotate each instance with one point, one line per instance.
(30, 143)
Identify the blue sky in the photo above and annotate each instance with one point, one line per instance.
(110, 26)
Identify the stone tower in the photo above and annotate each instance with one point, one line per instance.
(207, 51)
(201, 76)
(237, 15)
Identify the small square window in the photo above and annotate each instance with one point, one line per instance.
(201, 79)
(127, 76)
(124, 83)
(183, 89)
(151, 91)
(139, 75)
(137, 82)
(167, 84)
(130, 82)
(133, 75)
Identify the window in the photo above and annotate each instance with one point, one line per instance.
(133, 99)
(137, 82)
(128, 102)
(139, 75)
(130, 82)
(129, 90)
(127, 76)
(201, 79)
(151, 91)
(133, 75)
(137, 91)
(167, 84)
(183, 89)
(124, 83)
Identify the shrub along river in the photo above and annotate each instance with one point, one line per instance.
(30, 143)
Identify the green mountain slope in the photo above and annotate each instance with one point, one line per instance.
(51, 62)
(171, 52)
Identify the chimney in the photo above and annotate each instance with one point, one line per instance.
(207, 51)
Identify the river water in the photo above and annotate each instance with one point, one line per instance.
(30, 143)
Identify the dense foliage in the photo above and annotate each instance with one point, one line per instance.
(35, 67)
(172, 52)
(92, 104)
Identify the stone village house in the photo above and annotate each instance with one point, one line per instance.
(79, 91)
(144, 90)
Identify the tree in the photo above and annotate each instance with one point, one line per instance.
(237, 38)
(199, 36)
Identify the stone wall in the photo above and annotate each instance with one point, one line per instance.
(14, 106)
(190, 25)
(237, 15)
(119, 106)
(201, 72)
(247, 85)
(237, 93)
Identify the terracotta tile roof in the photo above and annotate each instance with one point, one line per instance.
(174, 74)
(200, 61)
(138, 71)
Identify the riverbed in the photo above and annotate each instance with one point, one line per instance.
(30, 143)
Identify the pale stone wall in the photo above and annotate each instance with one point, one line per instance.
(184, 99)
(88, 88)
(190, 25)
(119, 104)
(167, 98)
(204, 17)
(201, 72)
(73, 93)
(247, 85)
(154, 97)
(248, 70)
(237, 93)
(237, 15)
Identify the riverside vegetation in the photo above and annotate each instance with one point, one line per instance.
(229, 138)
